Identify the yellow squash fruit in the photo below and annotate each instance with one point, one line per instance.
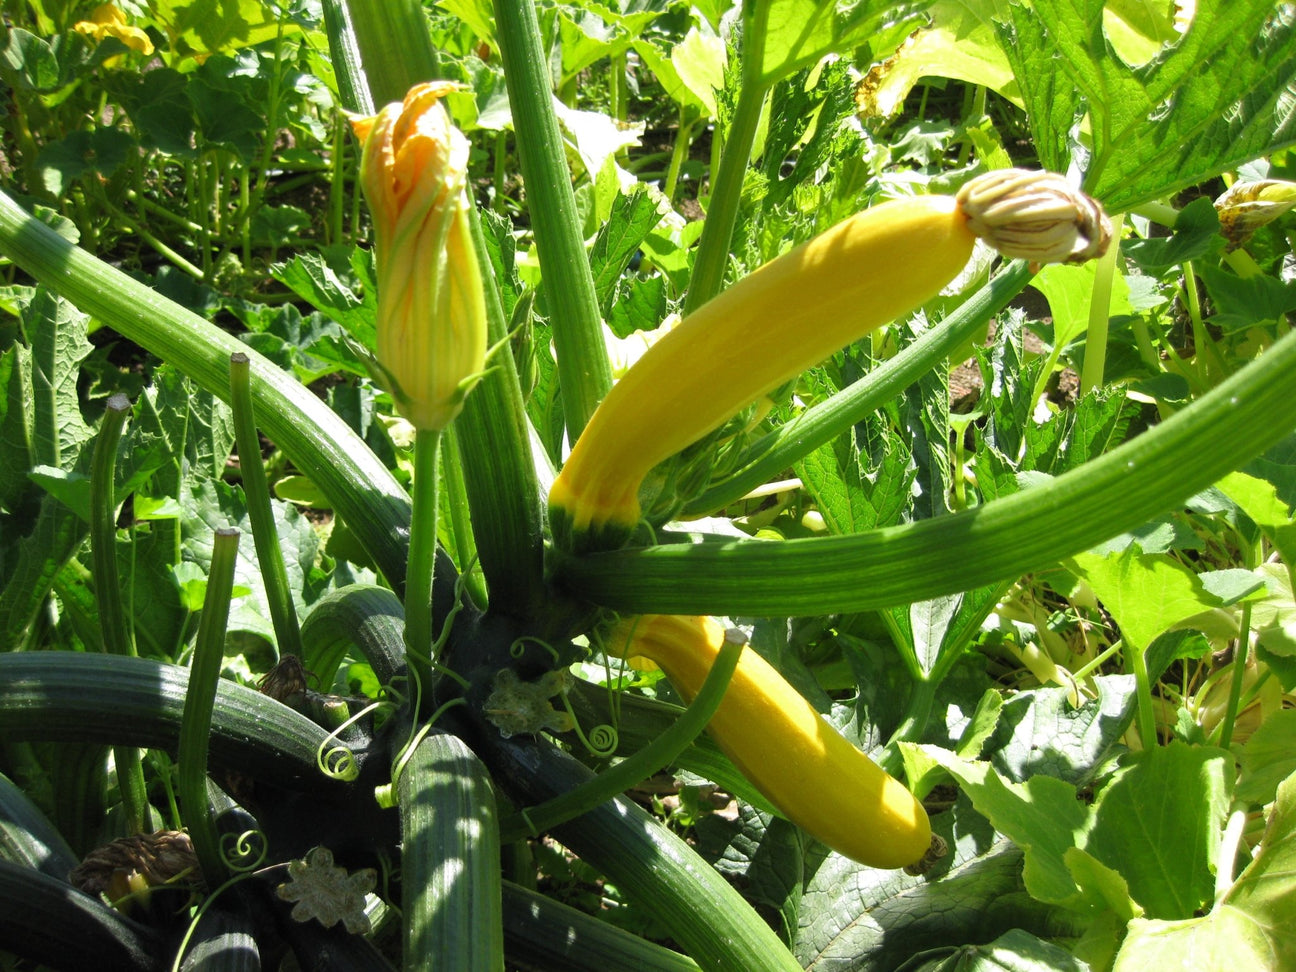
(792, 313)
(799, 762)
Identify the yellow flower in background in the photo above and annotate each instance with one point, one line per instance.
(431, 308)
(107, 21)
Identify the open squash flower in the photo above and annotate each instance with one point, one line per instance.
(107, 21)
(792, 313)
(431, 307)
(799, 762)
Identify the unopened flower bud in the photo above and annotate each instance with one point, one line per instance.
(1036, 216)
(431, 308)
(1247, 206)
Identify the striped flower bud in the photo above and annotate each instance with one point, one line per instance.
(431, 309)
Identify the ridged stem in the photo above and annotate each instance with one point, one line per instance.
(344, 52)
(662, 751)
(465, 544)
(395, 47)
(450, 873)
(764, 459)
(422, 554)
(1095, 358)
(1006, 538)
(265, 536)
(726, 194)
(112, 616)
(195, 730)
(499, 472)
(545, 934)
(583, 369)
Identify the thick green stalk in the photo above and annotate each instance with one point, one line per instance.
(1027, 531)
(422, 554)
(762, 461)
(103, 528)
(583, 368)
(545, 934)
(499, 472)
(726, 193)
(74, 697)
(283, 615)
(394, 45)
(195, 730)
(320, 444)
(450, 871)
(112, 617)
(633, 770)
(1137, 655)
(656, 869)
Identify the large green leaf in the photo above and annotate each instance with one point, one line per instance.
(1215, 99)
(1253, 926)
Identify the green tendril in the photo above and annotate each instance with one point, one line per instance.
(339, 762)
(603, 739)
(236, 849)
(407, 751)
(519, 646)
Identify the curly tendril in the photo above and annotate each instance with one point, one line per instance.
(519, 646)
(602, 740)
(244, 852)
(407, 751)
(339, 762)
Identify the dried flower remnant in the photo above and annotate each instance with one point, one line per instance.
(127, 870)
(328, 893)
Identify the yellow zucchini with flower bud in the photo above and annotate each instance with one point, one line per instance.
(799, 762)
(792, 313)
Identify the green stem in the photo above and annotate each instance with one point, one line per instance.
(460, 524)
(998, 541)
(679, 152)
(344, 52)
(1095, 356)
(583, 369)
(765, 459)
(504, 492)
(265, 536)
(422, 554)
(395, 47)
(112, 617)
(912, 726)
(662, 751)
(200, 699)
(103, 528)
(1238, 675)
(1143, 688)
(726, 194)
(1210, 369)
